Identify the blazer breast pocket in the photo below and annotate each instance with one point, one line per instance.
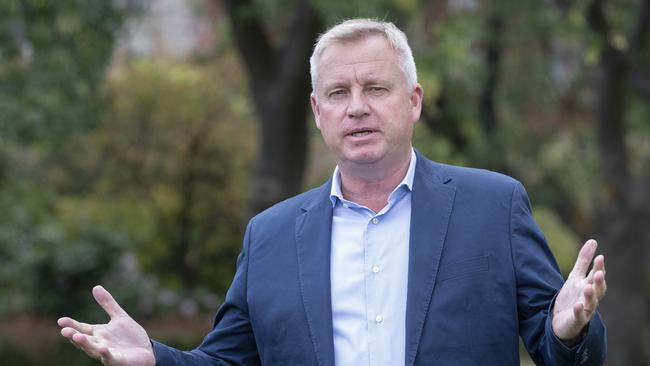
(463, 268)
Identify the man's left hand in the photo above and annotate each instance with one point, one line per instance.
(579, 297)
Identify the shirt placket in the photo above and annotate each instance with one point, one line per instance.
(375, 315)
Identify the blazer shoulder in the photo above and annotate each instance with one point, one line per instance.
(291, 207)
(475, 179)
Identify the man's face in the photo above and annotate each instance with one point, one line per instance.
(362, 105)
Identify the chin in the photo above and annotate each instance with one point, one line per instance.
(363, 158)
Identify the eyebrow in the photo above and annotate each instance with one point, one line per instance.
(334, 85)
(343, 82)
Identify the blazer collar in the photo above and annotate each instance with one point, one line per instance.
(313, 243)
(431, 207)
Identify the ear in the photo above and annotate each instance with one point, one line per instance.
(416, 101)
(315, 109)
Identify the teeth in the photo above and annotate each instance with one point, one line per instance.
(361, 133)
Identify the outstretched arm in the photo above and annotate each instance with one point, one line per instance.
(120, 342)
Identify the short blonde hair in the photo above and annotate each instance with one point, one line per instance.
(357, 29)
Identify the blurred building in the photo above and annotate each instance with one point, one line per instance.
(174, 29)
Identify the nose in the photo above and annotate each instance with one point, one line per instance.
(358, 105)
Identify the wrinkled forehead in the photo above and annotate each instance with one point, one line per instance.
(368, 53)
(326, 41)
(365, 47)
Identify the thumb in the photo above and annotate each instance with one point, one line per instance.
(106, 301)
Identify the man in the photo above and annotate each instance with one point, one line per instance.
(397, 260)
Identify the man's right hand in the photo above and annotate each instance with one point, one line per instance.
(120, 342)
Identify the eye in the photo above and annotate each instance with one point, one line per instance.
(377, 90)
(337, 93)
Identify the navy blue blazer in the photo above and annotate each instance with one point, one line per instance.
(480, 275)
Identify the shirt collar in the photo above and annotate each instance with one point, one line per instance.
(336, 194)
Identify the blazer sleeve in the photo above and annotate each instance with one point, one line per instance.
(231, 341)
(538, 282)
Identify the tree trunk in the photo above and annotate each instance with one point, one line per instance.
(621, 216)
(625, 308)
(280, 84)
(493, 50)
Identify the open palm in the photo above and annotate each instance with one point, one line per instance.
(120, 342)
(579, 297)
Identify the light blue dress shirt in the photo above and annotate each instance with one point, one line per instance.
(369, 275)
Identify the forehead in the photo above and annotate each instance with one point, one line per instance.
(372, 53)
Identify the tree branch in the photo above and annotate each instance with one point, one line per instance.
(596, 18)
(257, 52)
(639, 37)
(638, 79)
(487, 103)
(304, 28)
(610, 109)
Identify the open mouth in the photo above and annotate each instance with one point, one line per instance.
(361, 133)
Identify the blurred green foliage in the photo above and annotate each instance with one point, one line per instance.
(177, 143)
(134, 173)
(162, 176)
(49, 253)
(53, 55)
(135, 178)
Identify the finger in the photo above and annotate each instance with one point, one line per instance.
(600, 285)
(105, 355)
(68, 332)
(590, 301)
(85, 343)
(584, 259)
(106, 301)
(599, 263)
(590, 276)
(71, 323)
(579, 314)
(577, 309)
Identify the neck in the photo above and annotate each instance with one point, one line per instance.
(372, 190)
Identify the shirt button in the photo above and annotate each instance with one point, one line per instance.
(379, 319)
(375, 220)
(346, 205)
(375, 269)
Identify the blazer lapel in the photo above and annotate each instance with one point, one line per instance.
(431, 207)
(313, 241)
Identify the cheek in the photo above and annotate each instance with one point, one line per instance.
(402, 125)
(328, 120)
(328, 130)
(396, 115)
